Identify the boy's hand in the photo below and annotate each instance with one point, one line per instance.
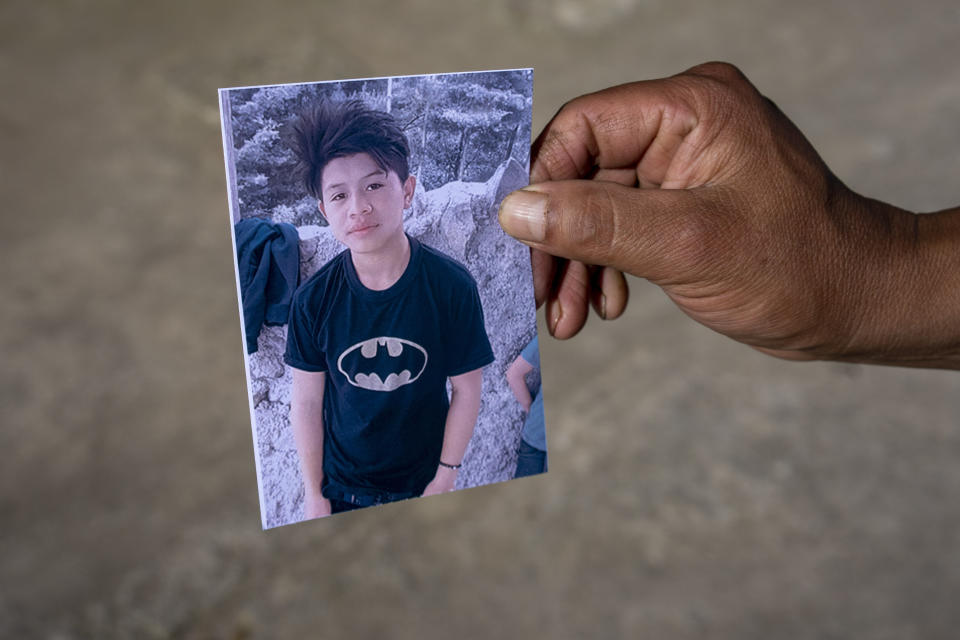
(442, 482)
(703, 186)
(315, 506)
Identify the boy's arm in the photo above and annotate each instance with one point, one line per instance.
(461, 420)
(516, 380)
(306, 417)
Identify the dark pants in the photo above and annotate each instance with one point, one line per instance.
(530, 460)
(339, 506)
(341, 501)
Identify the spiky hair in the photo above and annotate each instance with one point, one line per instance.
(329, 130)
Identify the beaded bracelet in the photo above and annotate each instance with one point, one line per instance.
(450, 466)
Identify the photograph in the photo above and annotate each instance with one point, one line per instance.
(389, 323)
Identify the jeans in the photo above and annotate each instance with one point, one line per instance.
(339, 506)
(342, 501)
(530, 460)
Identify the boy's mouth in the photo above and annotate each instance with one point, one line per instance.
(362, 228)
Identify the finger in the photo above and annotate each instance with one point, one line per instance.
(639, 126)
(613, 293)
(608, 292)
(544, 271)
(626, 177)
(796, 356)
(567, 300)
(659, 234)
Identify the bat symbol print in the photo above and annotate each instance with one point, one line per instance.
(383, 363)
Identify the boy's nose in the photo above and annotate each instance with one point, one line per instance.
(361, 205)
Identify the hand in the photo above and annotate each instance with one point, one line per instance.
(442, 482)
(315, 506)
(703, 186)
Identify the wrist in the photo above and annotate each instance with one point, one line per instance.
(449, 466)
(906, 289)
(934, 321)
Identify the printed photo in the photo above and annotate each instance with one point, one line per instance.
(388, 322)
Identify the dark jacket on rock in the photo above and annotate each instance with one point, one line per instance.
(268, 264)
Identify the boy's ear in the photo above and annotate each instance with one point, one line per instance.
(409, 187)
(323, 214)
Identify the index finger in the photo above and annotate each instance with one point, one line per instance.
(641, 126)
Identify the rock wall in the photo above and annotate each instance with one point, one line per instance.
(460, 219)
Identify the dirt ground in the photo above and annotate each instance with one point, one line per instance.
(697, 489)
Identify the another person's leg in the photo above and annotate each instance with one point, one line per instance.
(530, 460)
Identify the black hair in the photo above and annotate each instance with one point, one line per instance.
(327, 130)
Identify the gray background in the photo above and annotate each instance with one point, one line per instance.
(698, 489)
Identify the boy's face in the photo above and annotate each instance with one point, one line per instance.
(363, 203)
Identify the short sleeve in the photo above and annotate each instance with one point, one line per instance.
(302, 351)
(469, 346)
(531, 353)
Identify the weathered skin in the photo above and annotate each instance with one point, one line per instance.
(700, 184)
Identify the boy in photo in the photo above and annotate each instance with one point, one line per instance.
(378, 332)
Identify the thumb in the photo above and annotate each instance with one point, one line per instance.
(658, 234)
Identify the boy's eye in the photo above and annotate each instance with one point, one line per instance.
(337, 196)
(373, 186)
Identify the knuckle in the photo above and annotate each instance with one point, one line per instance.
(701, 235)
(556, 153)
(559, 149)
(592, 224)
(719, 70)
(720, 86)
(730, 108)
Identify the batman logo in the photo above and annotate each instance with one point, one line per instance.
(383, 363)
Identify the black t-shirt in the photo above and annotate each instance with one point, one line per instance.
(387, 355)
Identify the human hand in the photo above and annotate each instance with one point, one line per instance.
(703, 186)
(315, 506)
(442, 482)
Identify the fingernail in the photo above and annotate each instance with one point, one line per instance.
(555, 319)
(523, 214)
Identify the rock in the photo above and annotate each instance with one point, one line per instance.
(259, 390)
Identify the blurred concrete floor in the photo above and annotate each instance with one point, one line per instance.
(697, 489)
